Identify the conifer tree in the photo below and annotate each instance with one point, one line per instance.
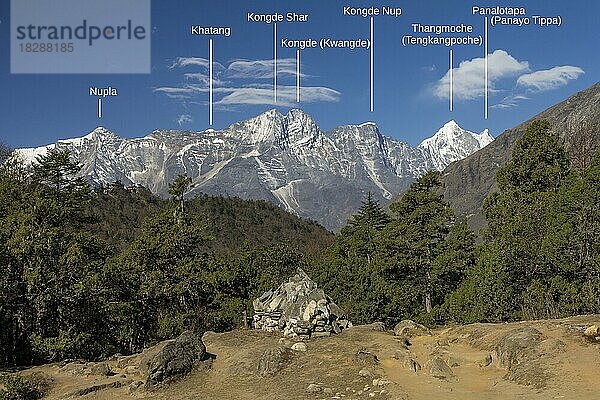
(370, 215)
(178, 188)
(415, 238)
(526, 268)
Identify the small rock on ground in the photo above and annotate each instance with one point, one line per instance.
(314, 388)
(300, 346)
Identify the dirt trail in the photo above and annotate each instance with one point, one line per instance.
(560, 364)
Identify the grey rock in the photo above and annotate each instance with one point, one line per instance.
(516, 345)
(300, 346)
(365, 373)
(412, 365)
(336, 327)
(314, 388)
(381, 382)
(487, 360)
(177, 358)
(102, 369)
(439, 369)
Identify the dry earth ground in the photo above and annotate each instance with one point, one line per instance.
(549, 359)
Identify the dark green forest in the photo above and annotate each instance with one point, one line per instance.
(90, 272)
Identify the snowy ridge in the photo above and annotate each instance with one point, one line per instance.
(285, 159)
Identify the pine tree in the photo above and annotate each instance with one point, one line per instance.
(160, 285)
(415, 238)
(178, 188)
(358, 238)
(524, 267)
(370, 215)
(539, 162)
(57, 263)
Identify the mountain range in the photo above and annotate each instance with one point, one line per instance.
(285, 159)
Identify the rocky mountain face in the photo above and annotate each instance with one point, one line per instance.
(284, 159)
(469, 181)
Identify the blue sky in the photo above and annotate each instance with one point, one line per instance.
(530, 69)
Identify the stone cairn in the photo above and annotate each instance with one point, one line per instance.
(299, 309)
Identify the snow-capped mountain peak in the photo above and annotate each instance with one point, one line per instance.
(286, 159)
(484, 138)
(100, 133)
(452, 143)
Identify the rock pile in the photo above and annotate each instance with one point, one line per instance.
(299, 309)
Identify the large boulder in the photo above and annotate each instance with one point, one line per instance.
(516, 345)
(176, 358)
(528, 356)
(299, 308)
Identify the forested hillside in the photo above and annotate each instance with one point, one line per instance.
(231, 222)
(87, 274)
(91, 272)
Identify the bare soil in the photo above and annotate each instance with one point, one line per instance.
(561, 364)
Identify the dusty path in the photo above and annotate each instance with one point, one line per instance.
(561, 364)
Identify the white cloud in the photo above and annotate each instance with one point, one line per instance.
(240, 83)
(184, 119)
(237, 69)
(286, 95)
(181, 62)
(175, 92)
(261, 69)
(469, 76)
(510, 101)
(549, 79)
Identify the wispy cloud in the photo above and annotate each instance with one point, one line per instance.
(510, 101)
(286, 95)
(469, 76)
(242, 82)
(176, 92)
(261, 69)
(549, 79)
(506, 74)
(181, 62)
(254, 94)
(184, 119)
